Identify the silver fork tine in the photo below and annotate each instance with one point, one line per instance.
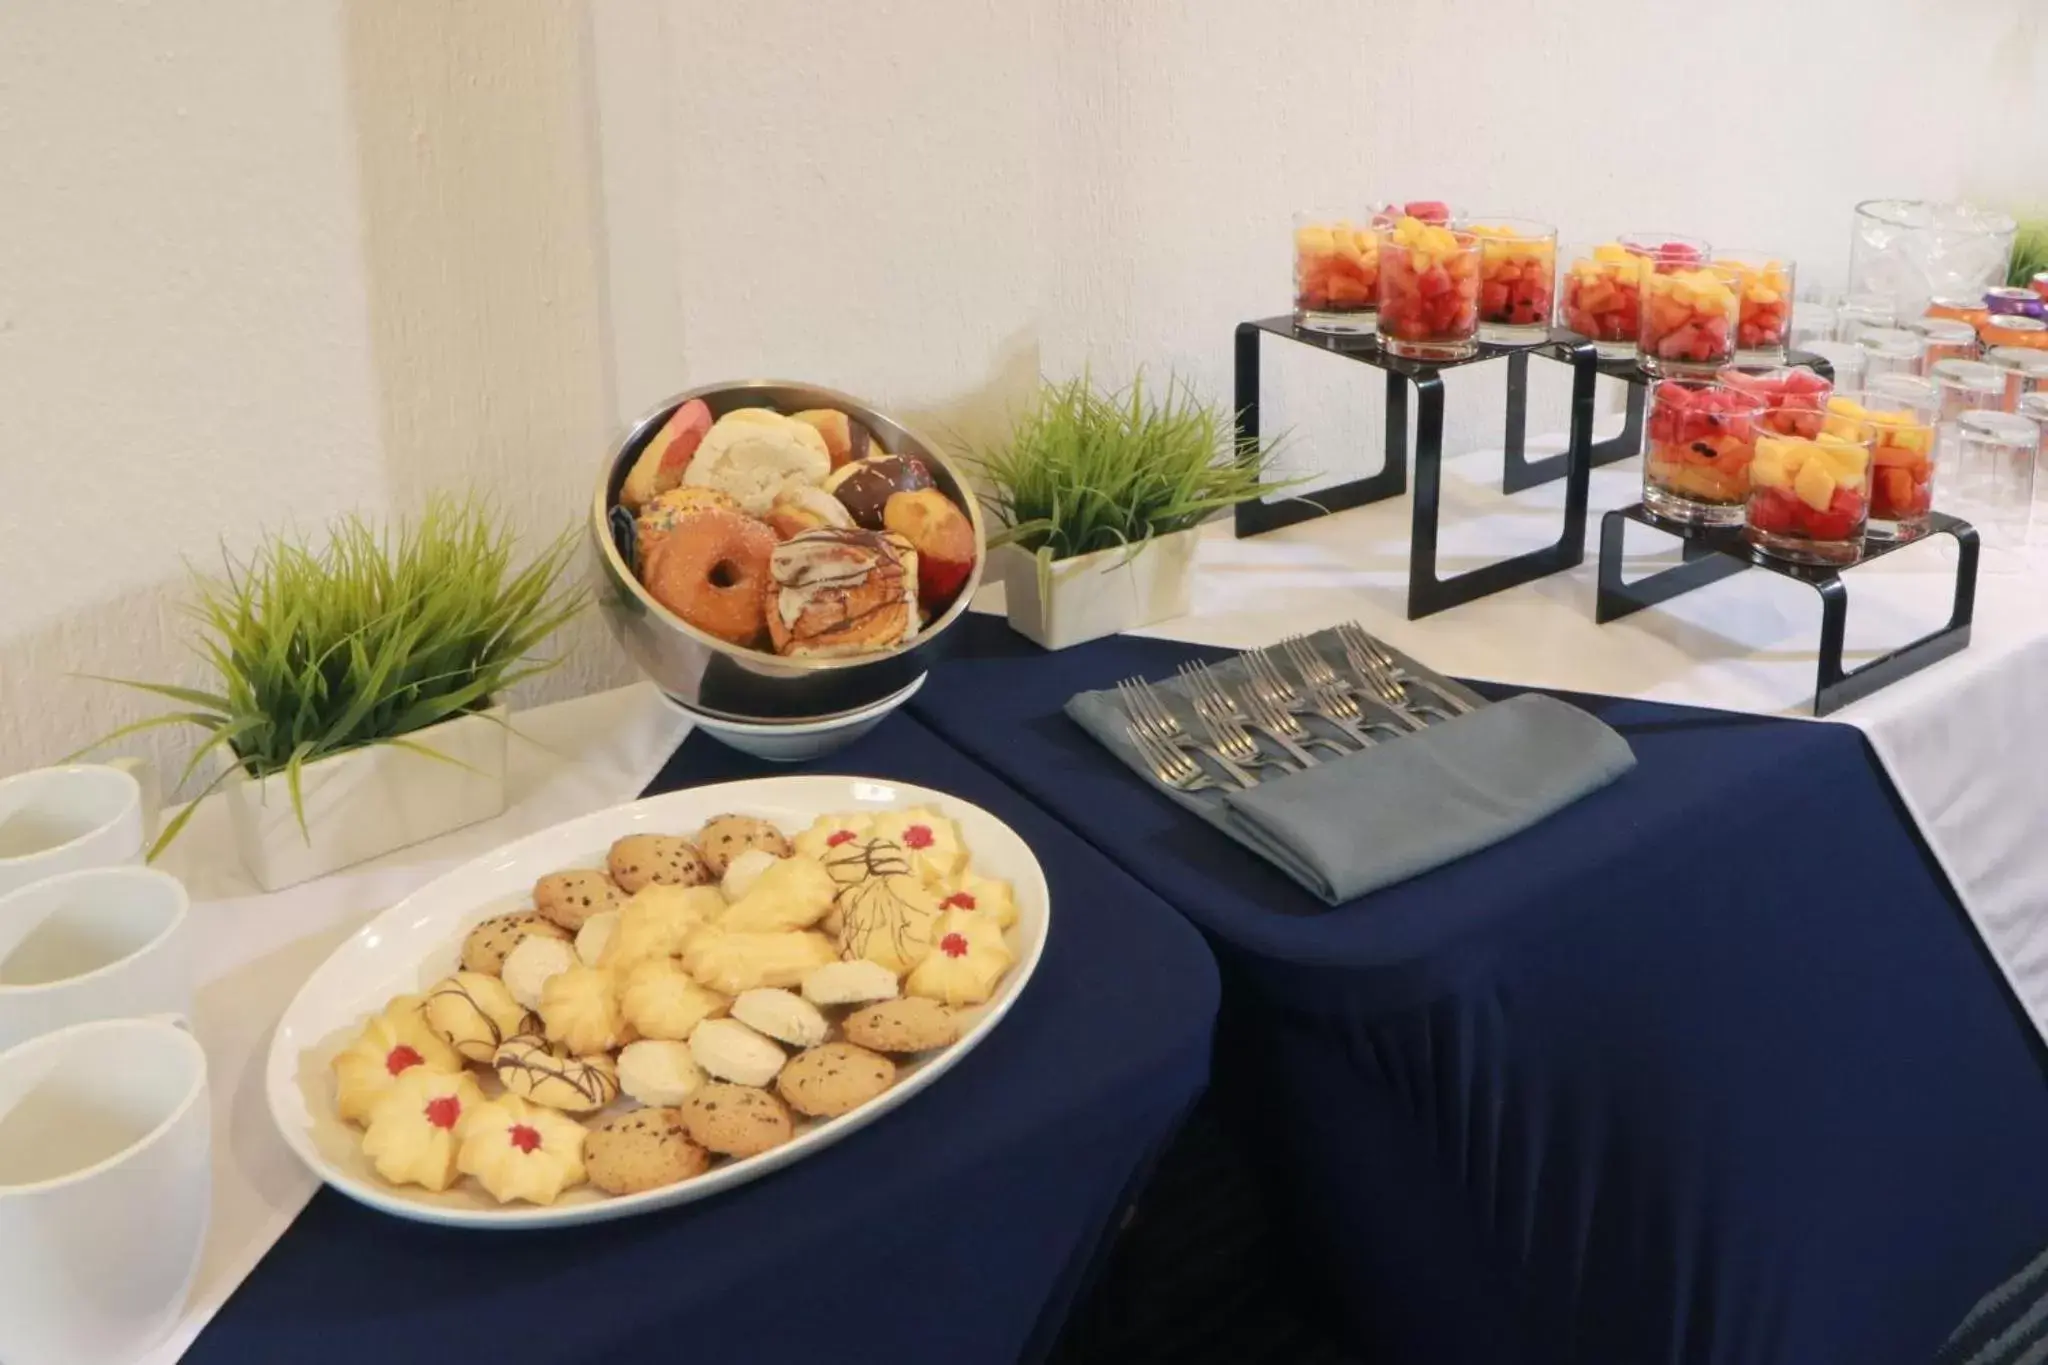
(1218, 708)
(1169, 765)
(1165, 726)
(1268, 678)
(1282, 725)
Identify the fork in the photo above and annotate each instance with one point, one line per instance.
(1150, 713)
(1172, 767)
(1326, 695)
(1218, 711)
(1380, 682)
(1275, 705)
(1381, 655)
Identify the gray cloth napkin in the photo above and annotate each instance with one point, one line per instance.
(1362, 821)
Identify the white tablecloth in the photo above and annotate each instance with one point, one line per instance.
(253, 951)
(1965, 742)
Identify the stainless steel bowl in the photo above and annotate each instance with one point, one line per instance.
(708, 675)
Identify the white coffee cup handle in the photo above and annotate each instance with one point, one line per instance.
(145, 775)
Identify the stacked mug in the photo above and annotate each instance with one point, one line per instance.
(105, 1124)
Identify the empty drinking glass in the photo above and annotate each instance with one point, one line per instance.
(1891, 350)
(1991, 480)
(1859, 311)
(1967, 386)
(1946, 338)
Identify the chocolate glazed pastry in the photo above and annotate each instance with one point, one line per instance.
(838, 591)
(865, 486)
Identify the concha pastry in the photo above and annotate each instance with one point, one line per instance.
(793, 894)
(729, 962)
(660, 1000)
(967, 959)
(413, 1137)
(520, 1150)
(390, 1045)
(971, 891)
(752, 454)
(887, 919)
(580, 1010)
(835, 592)
(530, 1069)
(828, 832)
(474, 1013)
(931, 841)
(658, 921)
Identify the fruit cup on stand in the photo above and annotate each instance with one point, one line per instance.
(1517, 275)
(1765, 317)
(1429, 291)
(1599, 297)
(1795, 398)
(1702, 437)
(1901, 428)
(1336, 273)
(1689, 319)
(1435, 212)
(1810, 497)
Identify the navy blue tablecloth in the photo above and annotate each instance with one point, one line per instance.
(1708, 1068)
(954, 1229)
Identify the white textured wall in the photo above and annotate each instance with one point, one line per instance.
(260, 263)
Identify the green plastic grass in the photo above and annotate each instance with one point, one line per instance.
(2029, 252)
(372, 636)
(1087, 469)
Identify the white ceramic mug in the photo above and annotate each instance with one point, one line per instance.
(104, 943)
(105, 1186)
(56, 820)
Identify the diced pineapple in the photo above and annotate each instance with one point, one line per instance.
(1814, 484)
(1314, 240)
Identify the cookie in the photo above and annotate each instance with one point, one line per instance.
(569, 898)
(390, 1045)
(656, 1071)
(931, 841)
(780, 1015)
(828, 832)
(912, 1024)
(737, 1120)
(834, 1079)
(743, 871)
(889, 920)
(519, 1150)
(530, 1069)
(529, 965)
(414, 1132)
(595, 936)
(725, 837)
(660, 1000)
(642, 1151)
(850, 983)
(579, 1009)
(489, 943)
(640, 860)
(731, 1051)
(793, 894)
(730, 963)
(474, 1013)
(971, 891)
(657, 921)
(967, 959)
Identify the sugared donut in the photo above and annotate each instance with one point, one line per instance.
(712, 570)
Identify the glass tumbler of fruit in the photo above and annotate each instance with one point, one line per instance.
(1765, 318)
(1809, 497)
(1702, 436)
(1900, 423)
(1429, 290)
(1794, 397)
(1598, 297)
(1517, 275)
(1336, 273)
(1689, 319)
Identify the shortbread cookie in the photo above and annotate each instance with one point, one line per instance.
(971, 891)
(743, 871)
(488, 945)
(414, 1132)
(528, 967)
(731, 1051)
(725, 837)
(912, 1024)
(569, 898)
(474, 1013)
(656, 1071)
(889, 920)
(859, 857)
(781, 1015)
(737, 1120)
(390, 1045)
(730, 963)
(834, 1079)
(579, 1009)
(793, 894)
(930, 839)
(640, 860)
(855, 982)
(967, 959)
(661, 1000)
(829, 832)
(520, 1150)
(658, 921)
(642, 1150)
(595, 936)
(530, 1069)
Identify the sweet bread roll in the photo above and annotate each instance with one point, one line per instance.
(838, 592)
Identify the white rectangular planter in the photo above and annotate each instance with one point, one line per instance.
(369, 801)
(1090, 596)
